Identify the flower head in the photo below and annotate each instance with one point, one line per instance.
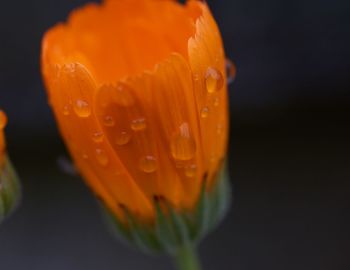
(138, 88)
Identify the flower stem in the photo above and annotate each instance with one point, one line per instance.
(187, 259)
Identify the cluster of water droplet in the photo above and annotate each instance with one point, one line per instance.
(182, 144)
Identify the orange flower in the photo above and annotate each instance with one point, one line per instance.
(138, 88)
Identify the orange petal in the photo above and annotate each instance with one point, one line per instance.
(72, 100)
(115, 35)
(148, 112)
(207, 62)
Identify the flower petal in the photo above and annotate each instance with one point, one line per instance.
(152, 108)
(207, 62)
(119, 37)
(72, 100)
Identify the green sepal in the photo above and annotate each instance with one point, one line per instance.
(133, 233)
(221, 198)
(117, 227)
(202, 218)
(164, 228)
(9, 189)
(143, 235)
(173, 229)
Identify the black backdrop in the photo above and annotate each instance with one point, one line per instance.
(289, 149)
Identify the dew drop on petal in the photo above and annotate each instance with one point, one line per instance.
(3, 120)
(65, 110)
(214, 80)
(148, 164)
(85, 156)
(122, 95)
(108, 121)
(117, 173)
(97, 136)
(138, 124)
(213, 158)
(205, 112)
(122, 138)
(179, 164)
(102, 157)
(190, 171)
(183, 145)
(196, 77)
(216, 102)
(82, 108)
(219, 129)
(230, 71)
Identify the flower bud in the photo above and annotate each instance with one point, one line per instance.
(139, 91)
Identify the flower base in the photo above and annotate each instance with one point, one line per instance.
(174, 231)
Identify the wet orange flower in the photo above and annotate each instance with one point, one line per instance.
(138, 88)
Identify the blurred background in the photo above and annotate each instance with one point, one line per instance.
(289, 148)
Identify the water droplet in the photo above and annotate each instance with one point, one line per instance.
(190, 171)
(104, 105)
(102, 157)
(212, 158)
(179, 164)
(123, 138)
(122, 95)
(108, 121)
(216, 102)
(183, 146)
(3, 120)
(219, 129)
(148, 164)
(230, 71)
(97, 137)
(205, 112)
(66, 110)
(82, 108)
(196, 77)
(213, 80)
(85, 156)
(117, 173)
(138, 124)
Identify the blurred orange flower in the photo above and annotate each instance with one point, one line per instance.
(3, 122)
(10, 191)
(138, 88)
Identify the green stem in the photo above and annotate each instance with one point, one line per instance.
(187, 259)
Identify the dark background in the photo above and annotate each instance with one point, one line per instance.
(289, 149)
